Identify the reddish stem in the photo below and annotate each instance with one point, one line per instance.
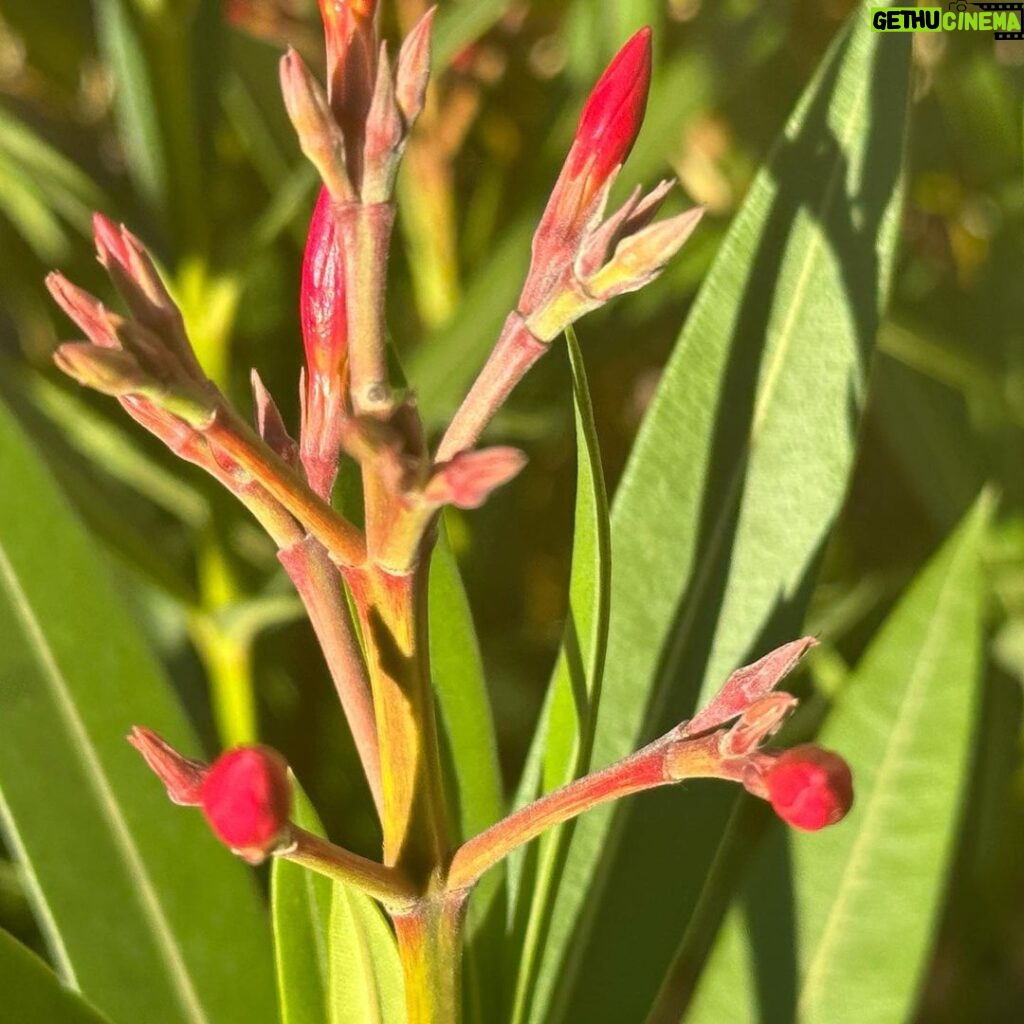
(515, 351)
(319, 584)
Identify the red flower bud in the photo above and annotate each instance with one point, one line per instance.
(246, 797)
(612, 115)
(809, 787)
(322, 297)
(607, 129)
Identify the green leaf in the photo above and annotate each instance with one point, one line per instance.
(472, 752)
(135, 101)
(565, 738)
(300, 902)
(366, 985)
(462, 23)
(143, 911)
(33, 993)
(458, 674)
(820, 936)
(337, 960)
(727, 502)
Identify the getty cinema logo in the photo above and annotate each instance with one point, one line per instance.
(1004, 20)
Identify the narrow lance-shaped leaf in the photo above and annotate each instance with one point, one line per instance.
(726, 504)
(366, 984)
(33, 993)
(564, 741)
(838, 927)
(471, 748)
(301, 907)
(337, 960)
(142, 910)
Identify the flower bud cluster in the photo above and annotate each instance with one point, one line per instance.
(355, 132)
(580, 258)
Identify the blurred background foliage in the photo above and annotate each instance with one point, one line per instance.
(166, 114)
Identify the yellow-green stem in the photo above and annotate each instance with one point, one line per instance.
(430, 947)
(392, 611)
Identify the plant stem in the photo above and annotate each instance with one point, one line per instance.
(430, 947)
(515, 351)
(392, 611)
(666, 760)
(319, 584)
(366, 231)
(386, 884)
(231, 434)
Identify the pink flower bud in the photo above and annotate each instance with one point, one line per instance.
(246, 797)
(182, 777)
(809, 787)
(86, 310)
(611, 118)
(322, 306)
(607, 129)
(324, 315)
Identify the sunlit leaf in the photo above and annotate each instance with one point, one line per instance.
(564, 740)
(725, 506)
(854, 908)
(301, 906)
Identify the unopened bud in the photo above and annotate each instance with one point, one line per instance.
(84, 309)
(639, 258)
(413, 70)
(322, 306)
(139, 283)
(110, 371)
(246, 798)
(350, 33)
(611, 118)
(182, 776)
(469, 478)
(385, 137)
(809, 787)
(320, 137)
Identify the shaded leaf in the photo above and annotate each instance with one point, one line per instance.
(33, 993)
(141, 908)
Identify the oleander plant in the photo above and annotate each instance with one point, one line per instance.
(470, 740)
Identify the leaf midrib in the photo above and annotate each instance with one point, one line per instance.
(898, 740)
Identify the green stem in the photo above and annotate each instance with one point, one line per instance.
(386, 884)
(392, 611)
(430, 947)
(233, 436)
(366, 230)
